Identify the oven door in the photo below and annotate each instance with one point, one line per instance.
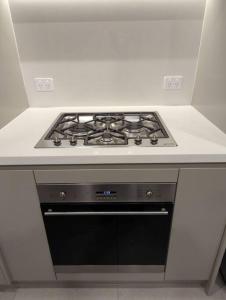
(108, 237)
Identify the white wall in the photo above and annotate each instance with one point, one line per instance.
(13, 98)
(108, 63)
(210, 89)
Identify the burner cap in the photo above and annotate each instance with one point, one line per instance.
(106, 137)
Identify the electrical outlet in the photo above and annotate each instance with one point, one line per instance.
(173, 82)
(44, 84)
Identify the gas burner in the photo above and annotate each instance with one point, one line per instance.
(106, 119)
(106, 138)
(108, 129)
(144, 127)
(133, 127)
(109, 137)
(108, 122)
(78, 130)
(72, 126)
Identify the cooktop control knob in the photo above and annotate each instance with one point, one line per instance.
(138, 140)
(154, 140)
(149, 194)
(73, 141)
(57, 141)
(62, 195)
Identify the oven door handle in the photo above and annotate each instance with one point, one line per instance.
(107, 213)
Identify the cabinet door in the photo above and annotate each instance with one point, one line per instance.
(2, 279)
(198, 223)
(4, 274)
(22, 236)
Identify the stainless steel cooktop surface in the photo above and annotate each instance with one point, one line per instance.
(107, 129)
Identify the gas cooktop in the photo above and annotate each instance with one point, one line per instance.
(107, 129)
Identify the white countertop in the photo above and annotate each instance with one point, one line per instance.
(199, 141)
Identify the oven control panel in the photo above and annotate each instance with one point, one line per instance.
(127, 192)
(106, 195)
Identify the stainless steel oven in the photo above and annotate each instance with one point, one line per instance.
(108, 227)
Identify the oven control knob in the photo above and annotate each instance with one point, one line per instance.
(73, 141)
(57, 141)
(62, 195)
(138, 140)
(149, 194)
(154, 140)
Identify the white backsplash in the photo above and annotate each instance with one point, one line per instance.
(109, 63)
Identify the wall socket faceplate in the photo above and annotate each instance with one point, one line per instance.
(173, 82)
(44, 84)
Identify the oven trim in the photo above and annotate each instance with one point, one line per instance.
(109, 268)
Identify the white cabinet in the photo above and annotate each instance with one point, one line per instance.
(22, 236)
(198, 223)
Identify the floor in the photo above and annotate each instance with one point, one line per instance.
(193, 293)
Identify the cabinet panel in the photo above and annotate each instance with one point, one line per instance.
(109, 175)
(2, 278)
(198, 223)
(4, 273)
(22, 236)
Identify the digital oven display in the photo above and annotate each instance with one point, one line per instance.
(106, 194)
